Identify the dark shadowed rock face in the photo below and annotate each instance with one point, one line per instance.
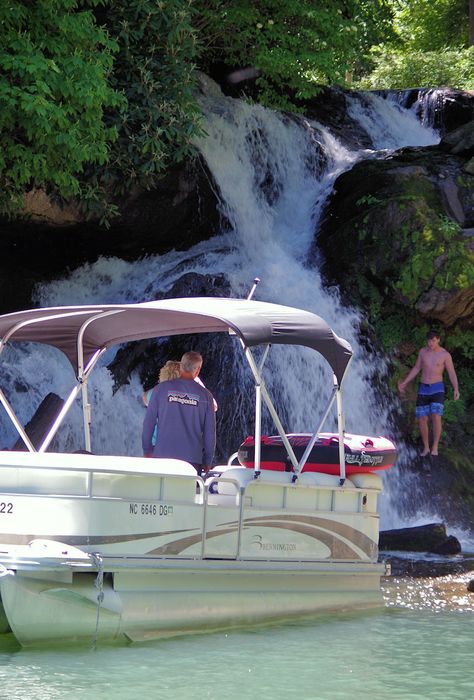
(445, 109)
(423, 538)
(378, 214)
(181, 211)
(330, 108)
(460, 141)
(414, 566)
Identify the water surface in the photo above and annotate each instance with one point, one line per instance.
(419, 645)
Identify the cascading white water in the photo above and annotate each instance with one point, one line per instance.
(274, 173)
(390, 125)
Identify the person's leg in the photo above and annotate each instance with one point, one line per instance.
(436, 410)
(424, 432)
(437, 427)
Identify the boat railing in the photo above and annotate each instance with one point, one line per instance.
(215, 496)
(275, 490)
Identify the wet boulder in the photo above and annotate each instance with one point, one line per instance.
(398, 232)
(423, 538)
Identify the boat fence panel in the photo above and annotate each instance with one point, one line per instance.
(371, 484)
(153, 487)
(48, 482)
(346, 501)
(179, 488)
(309, 499)
(126, 486)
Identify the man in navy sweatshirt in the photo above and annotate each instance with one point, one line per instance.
(184, 414)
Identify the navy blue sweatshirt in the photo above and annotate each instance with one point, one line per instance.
(184, 413)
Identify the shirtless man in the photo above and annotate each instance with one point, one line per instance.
(432, 361)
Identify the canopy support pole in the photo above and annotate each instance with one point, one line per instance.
(262, 391)
(84, 372)
(314, 437)
(69, 401)
(19, 428)
(340, 427)
(59, 419)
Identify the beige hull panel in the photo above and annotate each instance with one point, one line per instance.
(172, 599)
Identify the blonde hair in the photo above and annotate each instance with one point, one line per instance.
(170, 370)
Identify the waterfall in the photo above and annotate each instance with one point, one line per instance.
(389, 124)
(274, 173)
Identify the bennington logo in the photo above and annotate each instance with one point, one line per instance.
(361, 458)
(273, 546)
(184, 399)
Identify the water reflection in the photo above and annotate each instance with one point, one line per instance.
(402, 651)
(442, 593)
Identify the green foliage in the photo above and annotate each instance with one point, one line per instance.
(393, 69)
(54, 67)
(463, 341)
(431, 48)
(432, 25)
(466, 382)
(296, 45)
(393, 329)
(438, 253)
(368, 200)
(154, 70)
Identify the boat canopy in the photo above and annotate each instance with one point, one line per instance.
(81, 331)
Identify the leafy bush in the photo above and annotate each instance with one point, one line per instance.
(438, 252)
(296, 45)
(432, 25)
(401, 70)
(54, 90)
(154, 70)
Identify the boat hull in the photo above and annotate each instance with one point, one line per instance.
(94, 547)
(363, 454)
(150, 600)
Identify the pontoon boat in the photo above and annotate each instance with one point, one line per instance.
(121, 547)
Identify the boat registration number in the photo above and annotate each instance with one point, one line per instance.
(6, 508)
(150, 509)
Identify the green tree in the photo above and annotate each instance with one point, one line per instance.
(154, 69)
(430, 49)
(54, 90)
(296, 45)
(427, 25)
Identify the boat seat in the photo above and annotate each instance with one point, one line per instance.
(367, 481)
(320, 479)
(241, 475)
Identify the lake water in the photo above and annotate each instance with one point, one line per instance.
(419, 645)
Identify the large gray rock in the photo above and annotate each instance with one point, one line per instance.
(378, 218)
(423, 538)
(460, 141)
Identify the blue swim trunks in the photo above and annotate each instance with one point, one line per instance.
(430, 399)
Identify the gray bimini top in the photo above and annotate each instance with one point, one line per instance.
(95, 328)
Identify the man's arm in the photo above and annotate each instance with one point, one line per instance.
(452, 375)
(209, 435)
(412, 373)
(149, 424)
